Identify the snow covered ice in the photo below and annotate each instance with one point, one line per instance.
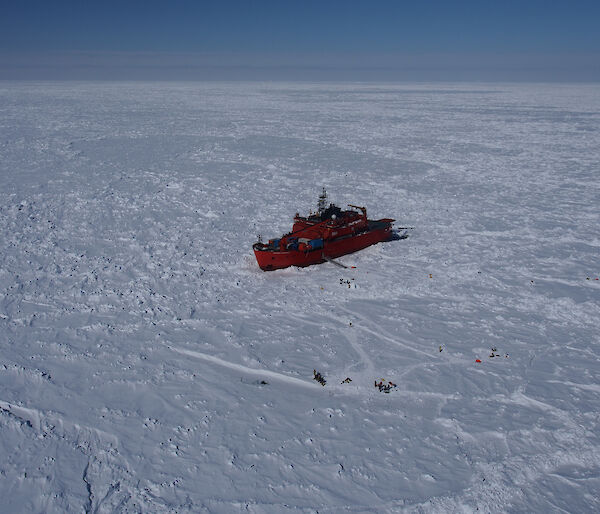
(148, 365)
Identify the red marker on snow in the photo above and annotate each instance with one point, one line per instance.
(477, 360)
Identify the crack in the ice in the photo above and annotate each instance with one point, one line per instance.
(88, 486)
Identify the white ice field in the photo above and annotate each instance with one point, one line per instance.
(148, 365)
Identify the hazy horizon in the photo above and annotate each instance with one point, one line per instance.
(341, 67)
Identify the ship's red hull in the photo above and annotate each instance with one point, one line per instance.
(376, 232)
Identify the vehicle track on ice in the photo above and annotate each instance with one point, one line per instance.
(263, 373)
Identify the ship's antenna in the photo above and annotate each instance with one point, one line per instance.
(322, 205)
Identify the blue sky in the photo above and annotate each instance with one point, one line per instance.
(556, 40)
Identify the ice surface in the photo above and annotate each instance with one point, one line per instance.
(148, 365)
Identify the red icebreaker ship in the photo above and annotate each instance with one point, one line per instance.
(321, 237)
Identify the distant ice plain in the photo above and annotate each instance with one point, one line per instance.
(136, 328)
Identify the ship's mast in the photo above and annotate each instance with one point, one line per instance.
(322, 205)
